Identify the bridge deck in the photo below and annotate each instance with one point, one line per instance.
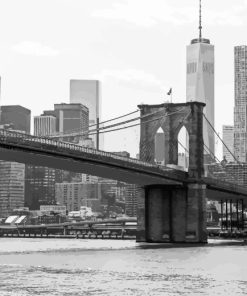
(51, 153)
(42, 151)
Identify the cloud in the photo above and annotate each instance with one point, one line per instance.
(233, 16)
(34, 48)
(148, 13)
(140, 12)
(134, 78)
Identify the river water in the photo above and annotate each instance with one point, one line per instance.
(102, 267)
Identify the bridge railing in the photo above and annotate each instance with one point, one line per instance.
(7, 136)
(218, 172)
(228, 185)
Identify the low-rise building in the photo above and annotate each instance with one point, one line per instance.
(56, 209)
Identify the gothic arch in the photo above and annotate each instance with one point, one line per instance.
(172, 117)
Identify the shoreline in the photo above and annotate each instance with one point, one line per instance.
(109, 245)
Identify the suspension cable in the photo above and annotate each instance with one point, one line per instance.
(140, 123)
(74, 133)
(221, 139)
(125, 127)
(215, 158)
(113, 125)
(95, 124)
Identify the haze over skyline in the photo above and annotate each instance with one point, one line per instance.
(137, 49)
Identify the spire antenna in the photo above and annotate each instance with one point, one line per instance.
(200, 20)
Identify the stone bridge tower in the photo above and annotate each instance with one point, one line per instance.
(171, 118)
(169, 213)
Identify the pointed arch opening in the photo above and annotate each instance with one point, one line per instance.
(159, 146)
(183, 148)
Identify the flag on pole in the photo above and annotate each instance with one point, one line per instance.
(169, 92)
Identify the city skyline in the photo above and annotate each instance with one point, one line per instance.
(76, 220)
(116, 46)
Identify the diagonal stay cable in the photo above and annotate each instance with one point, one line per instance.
(125, 127)
(219, 162)
(93, 132)
(109, 126)
(95, 124)
(221, 139)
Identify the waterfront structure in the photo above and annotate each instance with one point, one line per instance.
(228, 139)
(83, 213)
(240, 102)
(44, 125)
(88, 93)
(200, 81)
(75, 195)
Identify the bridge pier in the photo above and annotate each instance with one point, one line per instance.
(172, 214)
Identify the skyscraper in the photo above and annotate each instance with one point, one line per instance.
(88, 93)
(131, 200)
(240, 102)
(44, 125)
(72, 118)
(228, 139)
(200, 80)
(12, 174)
(18, 116)
(39, 186)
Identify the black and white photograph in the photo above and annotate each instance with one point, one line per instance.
(123, 147)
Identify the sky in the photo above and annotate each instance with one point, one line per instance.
(136, 48)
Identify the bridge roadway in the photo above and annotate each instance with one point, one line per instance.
(43, 151)
(66, 156)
